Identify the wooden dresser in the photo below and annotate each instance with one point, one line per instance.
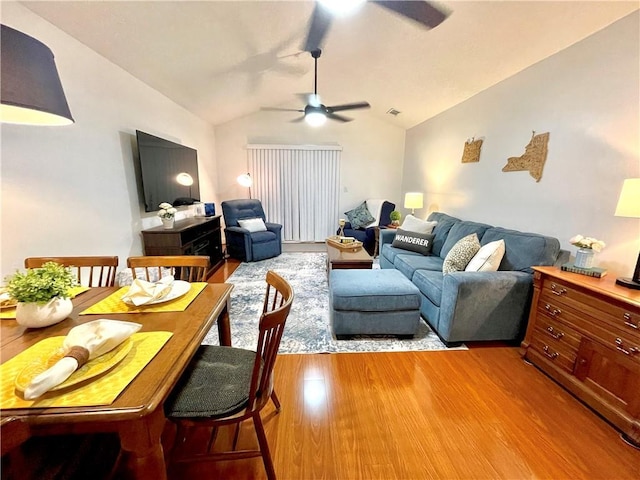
(585, 333)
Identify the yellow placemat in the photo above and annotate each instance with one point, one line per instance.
(11, 312)
(114, 304)
(102, 390)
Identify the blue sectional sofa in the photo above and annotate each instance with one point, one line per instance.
(473, 306)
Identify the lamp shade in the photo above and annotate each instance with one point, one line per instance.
(185, 179)
(245, 180)
(31, 92)
(413, 200)
(629, 206)
(629, 200)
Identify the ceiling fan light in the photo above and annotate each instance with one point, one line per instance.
(341, 7)
(315, 119)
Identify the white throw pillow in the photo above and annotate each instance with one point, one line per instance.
(413, 224)
(253, 224)
(488, 258)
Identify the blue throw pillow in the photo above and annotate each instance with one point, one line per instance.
(413, 241)
(359, 217)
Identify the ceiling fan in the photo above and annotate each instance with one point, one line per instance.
(420, 11)
(315, 113)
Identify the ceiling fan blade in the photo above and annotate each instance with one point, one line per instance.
(318, 26)
(420, 11)
(348, 106)
(276, 109)
(340, 118)
(297, 120)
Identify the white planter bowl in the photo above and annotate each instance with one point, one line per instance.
(38, 315)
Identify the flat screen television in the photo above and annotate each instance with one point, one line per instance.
(169, 172)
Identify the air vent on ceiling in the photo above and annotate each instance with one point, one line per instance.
(393, 111)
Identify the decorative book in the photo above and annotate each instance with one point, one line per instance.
(590, 272)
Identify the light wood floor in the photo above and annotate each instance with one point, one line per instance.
(481, 413)
(476, 414)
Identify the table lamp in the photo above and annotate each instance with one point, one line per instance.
(629, 206)
(413, 200)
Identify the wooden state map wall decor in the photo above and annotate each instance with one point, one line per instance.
(535, 154)
(471, 152)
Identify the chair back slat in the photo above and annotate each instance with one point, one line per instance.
(277, 305)
(191, 268)
(100, 269)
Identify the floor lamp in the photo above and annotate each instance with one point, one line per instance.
(246, 181)
(629, 206)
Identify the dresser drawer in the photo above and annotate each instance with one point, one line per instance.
(556, 332)
(553, 351)
(615, 313)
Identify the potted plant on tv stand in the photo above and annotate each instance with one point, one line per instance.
(43, 295)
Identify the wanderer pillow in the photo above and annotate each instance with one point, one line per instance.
(413, 241)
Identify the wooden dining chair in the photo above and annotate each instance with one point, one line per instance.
(226, 385)
(94, 271)
(190, 268)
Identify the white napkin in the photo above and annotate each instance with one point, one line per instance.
(141, 291)
(98, 337)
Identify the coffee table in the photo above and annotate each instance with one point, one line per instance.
(341, 259)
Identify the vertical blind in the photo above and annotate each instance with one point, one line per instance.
(298, 186)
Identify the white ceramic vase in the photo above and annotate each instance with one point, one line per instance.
(584, 258)
(37, 315)
(167, 223)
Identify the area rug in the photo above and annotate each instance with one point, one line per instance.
(307, 329)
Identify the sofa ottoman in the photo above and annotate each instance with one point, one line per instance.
(373, 302)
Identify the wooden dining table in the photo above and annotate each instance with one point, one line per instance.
(137, 414)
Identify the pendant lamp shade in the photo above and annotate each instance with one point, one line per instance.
(31, 91)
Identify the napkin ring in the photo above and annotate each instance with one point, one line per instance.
(81, 355)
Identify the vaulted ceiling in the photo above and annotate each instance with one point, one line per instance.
(225, 59)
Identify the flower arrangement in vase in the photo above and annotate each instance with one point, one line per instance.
(587, 246)
(167, 214)
(43, 294)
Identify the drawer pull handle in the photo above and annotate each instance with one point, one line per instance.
(627, 321)
(554, 334)
(627, 351)
(551, 355)
(552, 311)
(558, 290)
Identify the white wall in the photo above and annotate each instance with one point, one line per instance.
(72, 190)
(371, 161)
(587, 97)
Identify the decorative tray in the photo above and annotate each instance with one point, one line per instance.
(334, 241)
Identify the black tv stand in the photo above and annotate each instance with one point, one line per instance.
(191, 236)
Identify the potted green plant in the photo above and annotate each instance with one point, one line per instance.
(395, 217)
(43, 294)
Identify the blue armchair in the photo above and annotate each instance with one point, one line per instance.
(243, 244)
(380, 210)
